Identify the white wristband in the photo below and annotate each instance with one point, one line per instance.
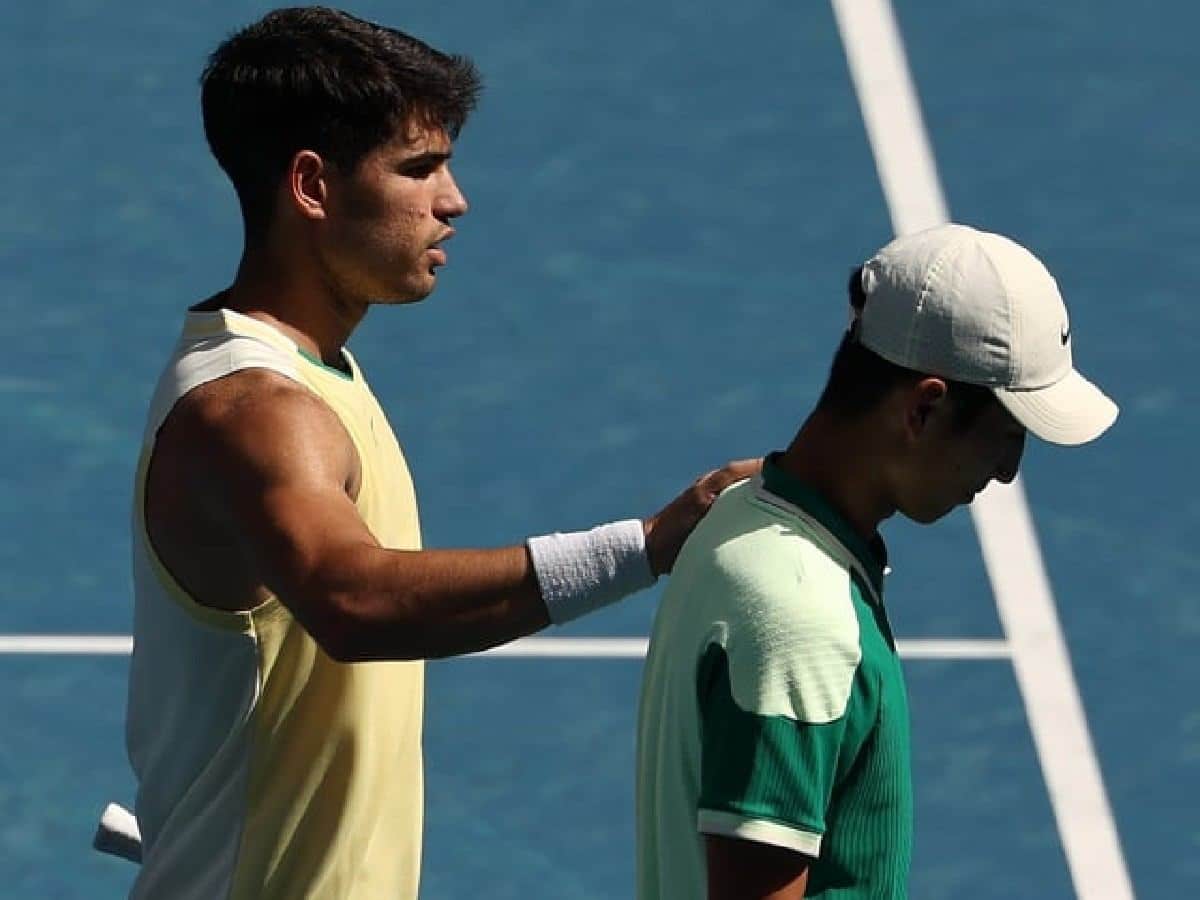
(584, 570)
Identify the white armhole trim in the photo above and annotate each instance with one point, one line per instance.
(198, 362)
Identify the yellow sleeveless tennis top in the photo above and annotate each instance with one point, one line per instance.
(266, 770)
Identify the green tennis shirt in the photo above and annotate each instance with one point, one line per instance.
(773, 706)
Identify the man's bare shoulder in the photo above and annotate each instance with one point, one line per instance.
(255, 417)
(236, 392)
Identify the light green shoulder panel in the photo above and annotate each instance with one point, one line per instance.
(778, 605)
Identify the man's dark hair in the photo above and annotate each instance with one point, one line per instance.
(312, 78)
(859, 378)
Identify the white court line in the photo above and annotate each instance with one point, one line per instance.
(69, 644)
(913, 191)
(561, 648)
(539, 647)
(629, 648)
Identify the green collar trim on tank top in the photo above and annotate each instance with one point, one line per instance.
(320, 363)
(872, 556)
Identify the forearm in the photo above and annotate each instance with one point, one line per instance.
(368, 603)
(364, 602)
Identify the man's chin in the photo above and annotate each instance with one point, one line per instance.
(412, 293)
(928, 516)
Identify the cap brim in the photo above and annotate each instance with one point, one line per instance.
(1070, 411)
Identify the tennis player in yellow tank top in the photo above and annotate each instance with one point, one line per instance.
(283, 603)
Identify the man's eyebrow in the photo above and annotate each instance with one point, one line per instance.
(429, 157)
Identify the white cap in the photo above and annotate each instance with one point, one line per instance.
(977, 307)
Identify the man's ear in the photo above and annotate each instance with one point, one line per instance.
(308, 184)
(922, 401)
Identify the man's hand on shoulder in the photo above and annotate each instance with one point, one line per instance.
(667, 529)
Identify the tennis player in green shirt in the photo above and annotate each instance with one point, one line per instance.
(773, 742)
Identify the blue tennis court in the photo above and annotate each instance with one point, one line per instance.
(666, 198)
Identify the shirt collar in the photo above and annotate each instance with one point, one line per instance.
(871, 555)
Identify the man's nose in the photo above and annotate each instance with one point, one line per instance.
(450, 201)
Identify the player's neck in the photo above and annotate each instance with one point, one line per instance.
(839, 461)
(295, 300)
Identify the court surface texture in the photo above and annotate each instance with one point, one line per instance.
(666, 198)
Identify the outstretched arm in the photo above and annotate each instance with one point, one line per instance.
(274, 472)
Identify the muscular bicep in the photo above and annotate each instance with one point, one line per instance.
(249, 489)
(286, 469)
(747, 870)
